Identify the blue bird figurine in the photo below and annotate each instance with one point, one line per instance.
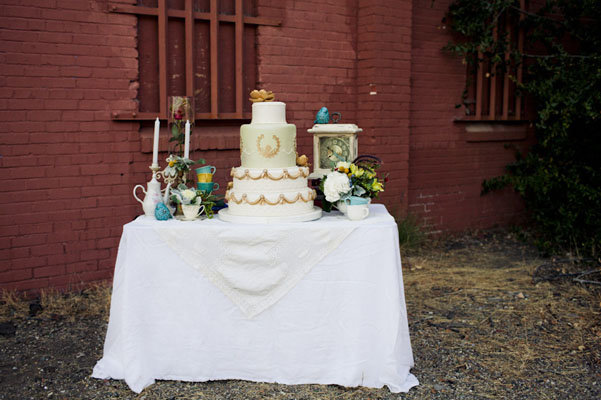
(161, 212)
(322, 117)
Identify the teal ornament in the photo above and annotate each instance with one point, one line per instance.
(161, 212)
(322, 117)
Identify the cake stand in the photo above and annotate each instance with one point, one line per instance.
(225, 215)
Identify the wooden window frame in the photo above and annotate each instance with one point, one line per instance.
(485, 88)
(163, 14)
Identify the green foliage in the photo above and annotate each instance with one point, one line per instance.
(560, 177)
(210, 201)
(411, 235)
(325, 205)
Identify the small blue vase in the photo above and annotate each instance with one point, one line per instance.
(161, 212)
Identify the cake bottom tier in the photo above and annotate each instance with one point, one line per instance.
(270, 203)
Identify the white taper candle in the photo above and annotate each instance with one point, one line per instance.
(187, 141)
(155, 143)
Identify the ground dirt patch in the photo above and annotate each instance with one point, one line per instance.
(480, 328)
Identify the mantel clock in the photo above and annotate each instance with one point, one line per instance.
(333, 143)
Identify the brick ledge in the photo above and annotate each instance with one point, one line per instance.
(202, 138)
(495, 131)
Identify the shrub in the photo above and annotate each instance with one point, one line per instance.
(411, 236)
(559, 178)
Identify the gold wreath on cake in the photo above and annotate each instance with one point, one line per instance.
(268, 151)
(261, 95)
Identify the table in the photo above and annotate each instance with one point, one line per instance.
(341, 321)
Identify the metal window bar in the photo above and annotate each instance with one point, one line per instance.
(190, 16)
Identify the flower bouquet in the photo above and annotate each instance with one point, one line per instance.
(195, 201)
(180, 167)
(186, 196)
(358, 179)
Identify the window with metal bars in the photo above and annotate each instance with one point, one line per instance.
(198, 48)
(492, 89)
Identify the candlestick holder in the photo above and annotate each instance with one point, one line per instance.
(172, 176)
(155, 168)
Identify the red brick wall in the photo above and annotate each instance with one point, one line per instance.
(384, 91)
(67, 169)
(310, 61)
(446, 171)
(334, 54)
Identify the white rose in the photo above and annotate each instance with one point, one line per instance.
(343, 164)
(188, 195)
(335, 185)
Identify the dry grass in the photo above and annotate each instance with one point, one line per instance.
(12, 305)
(505, 332)
(93, 301)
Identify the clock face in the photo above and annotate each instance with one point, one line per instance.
(332, 150)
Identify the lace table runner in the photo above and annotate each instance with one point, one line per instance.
(254, 265)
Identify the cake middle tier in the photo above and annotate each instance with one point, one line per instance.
(269, 179)
(267, 192)
(268, 145)
(270, 204)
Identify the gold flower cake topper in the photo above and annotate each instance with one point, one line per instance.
(261, 95)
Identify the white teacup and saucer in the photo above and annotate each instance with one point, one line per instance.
(191, 211)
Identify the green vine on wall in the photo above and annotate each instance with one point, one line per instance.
(559, 178)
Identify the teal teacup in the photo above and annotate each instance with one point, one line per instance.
(207, 169)
(207, 187)
(356, 201)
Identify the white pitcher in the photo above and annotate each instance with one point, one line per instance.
(152, 196)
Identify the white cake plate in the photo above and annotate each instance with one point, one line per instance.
(225, 215)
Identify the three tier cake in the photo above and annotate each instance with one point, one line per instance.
(269, 186)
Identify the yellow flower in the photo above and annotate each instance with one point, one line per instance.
(171, 163)
(358, 172)
(377, 186)
(343, 164)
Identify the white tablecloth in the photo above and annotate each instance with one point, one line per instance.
(344, 322)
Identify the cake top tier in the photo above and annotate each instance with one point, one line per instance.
(273, 112)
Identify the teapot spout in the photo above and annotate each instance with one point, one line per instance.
(167, 191)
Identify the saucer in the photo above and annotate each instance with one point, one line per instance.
(183, 218)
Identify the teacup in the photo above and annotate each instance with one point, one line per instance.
(356, 200)
(192, 211)
(357, 212)
(205, 174)
(207, 169)
(207, 187)
(204, 178)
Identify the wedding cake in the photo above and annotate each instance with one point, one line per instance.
(269, 186)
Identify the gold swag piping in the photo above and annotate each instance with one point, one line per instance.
(265, 174)
(263, 201)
